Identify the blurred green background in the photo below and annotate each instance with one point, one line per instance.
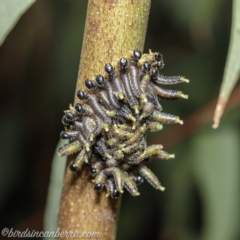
(38, 70)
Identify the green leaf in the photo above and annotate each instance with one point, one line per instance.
(10, 12)
(232, 67)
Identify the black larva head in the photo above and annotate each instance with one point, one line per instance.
(158, 57)
(139, 179)
(81, 95)
(146, 66)
(100, 101)
(69, 115)
(123, 63)
(98, 187)
(64, 135)
(154, 72)
(89, 84)
(79, 107)
(160, 64)
(109, 68)
(73, 167)
(93, 171)
(115, 193)
(65, 121)
(100, 80)
(137, 54)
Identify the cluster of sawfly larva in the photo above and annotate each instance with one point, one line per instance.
(108, 129)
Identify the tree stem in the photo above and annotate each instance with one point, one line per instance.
(113, 29)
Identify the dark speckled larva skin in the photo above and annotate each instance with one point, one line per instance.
(108, 129)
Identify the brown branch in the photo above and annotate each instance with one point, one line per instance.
(113, 28)
(193, 122)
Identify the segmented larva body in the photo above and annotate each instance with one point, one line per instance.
(108, 129)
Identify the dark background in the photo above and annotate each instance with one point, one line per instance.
(38, 70)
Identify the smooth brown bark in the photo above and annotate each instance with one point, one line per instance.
(113, 29)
